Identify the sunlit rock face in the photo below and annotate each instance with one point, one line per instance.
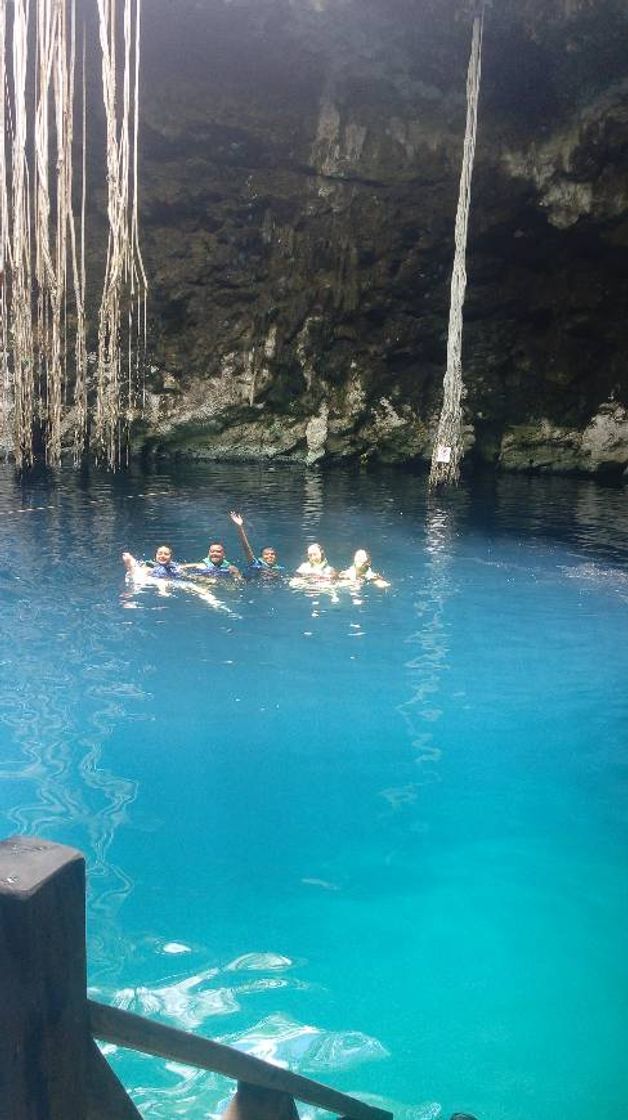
(300, 164)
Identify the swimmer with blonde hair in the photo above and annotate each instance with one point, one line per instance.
(316, 566)
(315, 575)
(361, 571)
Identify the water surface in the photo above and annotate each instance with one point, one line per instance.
(379, 838)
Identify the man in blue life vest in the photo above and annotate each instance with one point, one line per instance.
(162, 567)
(214, 565)
(266, 563)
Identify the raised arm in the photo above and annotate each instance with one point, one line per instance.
(129, 561)
(238, 521)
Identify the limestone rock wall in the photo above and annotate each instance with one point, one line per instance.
(300, 163)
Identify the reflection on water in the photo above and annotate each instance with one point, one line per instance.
(259, 962)
(187, 1002)
(284, 1042)
(198, 1002)
(63, 688)
(312, 504)
(425, 669)
(596, 576)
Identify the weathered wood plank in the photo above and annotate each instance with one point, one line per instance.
(43, 1006)
(107, 1099)
(110, 1024)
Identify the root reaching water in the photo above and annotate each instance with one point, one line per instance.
(124, 286)
(5, 404)
(447, 452)
(42, 257)
(19, 254)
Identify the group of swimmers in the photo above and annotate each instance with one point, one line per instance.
(215, 566)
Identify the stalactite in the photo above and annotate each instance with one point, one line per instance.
(447, 452)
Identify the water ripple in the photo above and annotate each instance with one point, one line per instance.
(187, 1003)
(259, 962)
(287, 1043)
(596, 577)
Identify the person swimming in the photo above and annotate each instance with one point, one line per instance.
(264, 564)
(316, 566)
(361, 570)
(214, 565)
(162, 567)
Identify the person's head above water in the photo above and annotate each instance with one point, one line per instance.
(361, 560)
(316, 554)
(269, 556)
(216, 553)
(163, 554)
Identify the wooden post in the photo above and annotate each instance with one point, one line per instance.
(43, 996)
(107, 1099)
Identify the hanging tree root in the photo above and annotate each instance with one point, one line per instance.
(448, 449)
(42, 246)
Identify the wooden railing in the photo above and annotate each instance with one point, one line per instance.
(50, 1065)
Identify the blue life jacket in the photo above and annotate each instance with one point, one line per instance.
(260, 565)
(166, 571)
(206, 568)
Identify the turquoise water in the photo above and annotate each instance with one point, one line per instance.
(382, 838)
